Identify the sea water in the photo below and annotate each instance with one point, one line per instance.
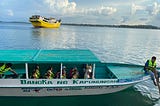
(115, 45)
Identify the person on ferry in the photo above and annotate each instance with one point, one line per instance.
(75, 73)
(71, 73)
(49, 74)
(150, 68)
(58, 74)
(36, 72)
(6, 67)
(88, 72)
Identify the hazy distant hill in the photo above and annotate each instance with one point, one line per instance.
(116, 26)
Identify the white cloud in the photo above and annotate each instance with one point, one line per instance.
(152, 9)
(136, 8)
(70, 8)
(10, 12)
(145, 13)
(100, 11)
(107, 10)
(124, 19)
(155, 20)
(62, 6)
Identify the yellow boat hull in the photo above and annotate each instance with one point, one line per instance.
(43, 24)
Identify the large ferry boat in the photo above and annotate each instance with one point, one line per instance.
(104, 77)
(40, 21)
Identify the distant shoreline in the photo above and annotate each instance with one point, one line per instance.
(116, 26)
(100, 25)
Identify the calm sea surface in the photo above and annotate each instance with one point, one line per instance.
(118, 45)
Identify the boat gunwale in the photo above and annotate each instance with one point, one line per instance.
(117, 83)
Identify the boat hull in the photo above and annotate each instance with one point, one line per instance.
(43, 24)
(63, 87)
(65, 91)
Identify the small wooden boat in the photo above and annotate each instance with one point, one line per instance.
(39, 21)
(105, 78)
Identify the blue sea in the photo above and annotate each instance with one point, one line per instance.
(114, 45)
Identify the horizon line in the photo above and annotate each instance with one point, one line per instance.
(98, 25)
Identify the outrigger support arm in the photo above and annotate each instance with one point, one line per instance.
(93, 74)
(26, 66)
(61, 71)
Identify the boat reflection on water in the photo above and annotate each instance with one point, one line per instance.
(50, 38)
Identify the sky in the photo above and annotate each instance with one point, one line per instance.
(106, 12)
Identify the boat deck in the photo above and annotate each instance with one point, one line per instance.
(125, 71)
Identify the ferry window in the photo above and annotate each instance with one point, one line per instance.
(42, 70)
(19, 71)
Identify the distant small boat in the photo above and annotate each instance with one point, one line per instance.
(105, 78)
(40, 21)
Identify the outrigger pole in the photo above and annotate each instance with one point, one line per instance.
(26, 66)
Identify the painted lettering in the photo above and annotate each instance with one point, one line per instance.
(37, 82)
(62, 82)
(75, 81)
